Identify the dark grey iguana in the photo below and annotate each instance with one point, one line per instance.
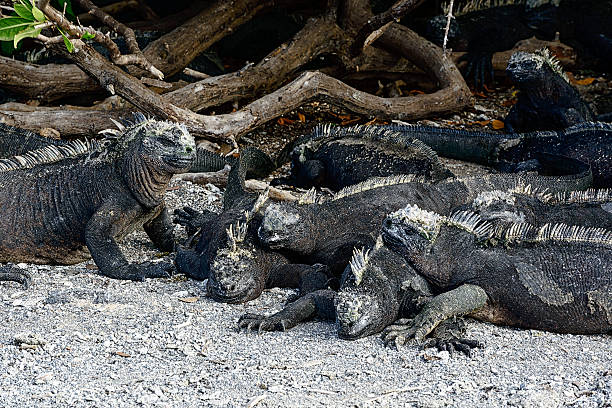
(546, 101)
(337, 157)
(16, 143)
(63, 210)
(589, 142)
(556, 277)
(379, 286)
(224, 248)
(327, 231)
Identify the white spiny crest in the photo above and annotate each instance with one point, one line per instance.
(119, 125)
(592, 195)
(427, 222)
(261, 200)
(471, 222)
(550, 60)
(309, 197)
(236, 233)
(377, 182)
(47, 154)
(358, 263)
(379, 242)
(574, 233)
(486, 198)
(515, 232)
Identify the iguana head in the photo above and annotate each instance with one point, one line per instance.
(235, 271)
(527, 69)
(165, 147)
(287, 226)
(411, 230)
(366, 303)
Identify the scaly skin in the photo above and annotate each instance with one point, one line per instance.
(551, 278)
(225, 251)
(546, 101)
(587, 142)
(336, 157)
(62, 212)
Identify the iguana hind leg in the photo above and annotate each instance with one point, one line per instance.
(457, 302)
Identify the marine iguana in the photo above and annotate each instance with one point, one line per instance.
(18, 142)
(555, 277)
(224, 249)
(484, 27)
(61, 210)
(546, 100)
(326, 231)
(337, 157)
(379, 287)
(589, 142)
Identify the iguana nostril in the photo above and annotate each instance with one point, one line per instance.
(188, 149)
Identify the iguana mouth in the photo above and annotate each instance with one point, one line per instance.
(221, 294)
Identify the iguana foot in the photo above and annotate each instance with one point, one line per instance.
(464, 346)
(252, 322)
(448, 336)
(479, 64)
(191, 219)
(15, 274)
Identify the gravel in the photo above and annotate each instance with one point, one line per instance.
(79, 339)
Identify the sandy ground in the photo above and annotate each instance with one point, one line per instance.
(109, 343)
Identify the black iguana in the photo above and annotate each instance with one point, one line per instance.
(555, 277)
(589, 142)
(225, 251)
(337, 157)
(546, 101)
(61, 209)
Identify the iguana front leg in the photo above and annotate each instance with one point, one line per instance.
(161, 230)
(102, 228)
(457, 302)
(319, 303)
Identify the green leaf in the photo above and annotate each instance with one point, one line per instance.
(29, 32)
(10, 26)
(38, 14)
(87, 36)
(69, 45)
(23, 11)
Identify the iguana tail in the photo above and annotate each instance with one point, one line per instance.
(13, 274)
(472, 146)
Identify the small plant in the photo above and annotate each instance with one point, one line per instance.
(28, 21)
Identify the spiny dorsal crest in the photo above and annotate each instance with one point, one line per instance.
(236, 233)
(427, 222)
(47, 154)
(550, 60)
(137, 128)
(359, 263)
(486, 198)
(515, 232)
(590, 196)
(377, 182)
(309, 197)
(261, 200)
(574, 233)
(471, 222)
